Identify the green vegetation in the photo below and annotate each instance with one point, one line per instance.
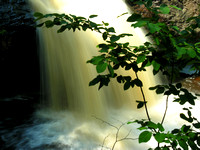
(172, 50)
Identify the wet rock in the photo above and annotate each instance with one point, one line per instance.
(19, 63)
(15, 13)
(192, 84)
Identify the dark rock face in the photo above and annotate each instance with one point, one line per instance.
(18, 54)
(19, 68)
(15, 13)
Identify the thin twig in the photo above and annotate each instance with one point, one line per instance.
(104, 142)
(106, 122)
(122, 139)
(116, 135)
(144, 99)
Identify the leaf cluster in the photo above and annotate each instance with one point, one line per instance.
(186, 137)
(182, 94)
(176, 48)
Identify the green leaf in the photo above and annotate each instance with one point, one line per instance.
(92, 24)
(127, 85)
(104, 47)
(157, 40)
(175, 131)
(62, 28)
(49, 23)
(175, 28)
(105, 35)
(134, 17)
(142, 128)
(111, 70)
(125, 34)
(115, 67)
(192, 144)
(114, 60)
(101, 67)
(160, 90)
(160, 137)
(140, 104)
(111, 29)
(198, 140)
(173, 6)
(85, 26)
(40, 25)
(196, 125)
(149, 3)
(153, 27)
(151, 124)
(51, 15)
(191, 53)
(187, 97)
(185, 128)
(104, 81)
(95, 81)
(192, 135)
(141, 58)
(38, 15)
(145, 137)
(160, 127)
(127, 78)
(164, 9)
(119, 79)
(139, 24)
(154, 87)
(114, 38)
(57, 21)
(130, 122)
(105, 24)
(185, 118)
(96, 60)
(181, 51)
(156, 65)
(183, 144)
(128, 67)
(138, 82)
(93, 16)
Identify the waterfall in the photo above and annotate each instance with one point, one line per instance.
(65, 81)
(65, 73)
(75, 116)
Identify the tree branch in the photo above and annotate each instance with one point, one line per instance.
(126, 137)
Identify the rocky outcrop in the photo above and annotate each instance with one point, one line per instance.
(18, 53)
(15, 13)
(190, 8)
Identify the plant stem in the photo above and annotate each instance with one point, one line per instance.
(167, 100)
(144, 99)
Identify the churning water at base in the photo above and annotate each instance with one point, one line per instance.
(79, 117)
(62, 130)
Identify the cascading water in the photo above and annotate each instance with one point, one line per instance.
(68, 122)
(65, 73)
(64, 56)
